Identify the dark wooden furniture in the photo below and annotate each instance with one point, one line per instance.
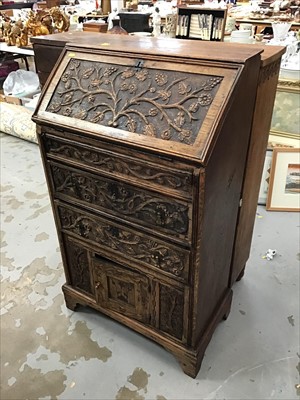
(145, 152)
(47, 49)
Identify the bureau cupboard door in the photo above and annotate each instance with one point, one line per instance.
(122, 290)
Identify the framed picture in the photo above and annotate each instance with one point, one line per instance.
(286, 112)
(284, 187)
(264, 185)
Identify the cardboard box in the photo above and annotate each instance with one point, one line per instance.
(21, 99)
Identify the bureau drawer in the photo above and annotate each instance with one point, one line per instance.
(124, 201)
(135, 248)
(119, 289)
(134, 166)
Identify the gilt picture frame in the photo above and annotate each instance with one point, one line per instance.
(284, 186)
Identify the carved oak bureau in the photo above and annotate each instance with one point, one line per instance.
(144, 143)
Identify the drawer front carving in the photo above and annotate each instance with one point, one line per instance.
(78, 266)
(124, 167)
(129, 244)
(122, 200)
(122, 290)
(171, 305)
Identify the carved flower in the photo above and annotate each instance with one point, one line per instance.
(91, 98)
(215, 81)
(185, 136)
(180, 119)
(166, 135)
(161, 79)
(67, 111)
(141, 75)
(149, 130)
(165, 94)
(66, 76)
(109, 71)
(128, 73)
(132, 88)
(80, 114)
(204, 99)
(124, 86)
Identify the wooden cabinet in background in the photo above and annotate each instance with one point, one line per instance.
(146, 155)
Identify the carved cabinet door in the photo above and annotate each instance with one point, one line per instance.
(120, 289)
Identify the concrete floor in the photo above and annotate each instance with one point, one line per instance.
(50, 352)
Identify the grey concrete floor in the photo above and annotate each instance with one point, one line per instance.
(50, 352)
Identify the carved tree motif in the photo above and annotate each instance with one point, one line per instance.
(131, 245)
(124, 199)
(132, 168)
(163, 104)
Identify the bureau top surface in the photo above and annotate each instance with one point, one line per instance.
(146, 93)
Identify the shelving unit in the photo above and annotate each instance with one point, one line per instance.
(201, 23)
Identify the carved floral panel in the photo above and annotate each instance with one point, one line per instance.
(126, 200)
(132, 245)
(168, 105)
(116, 164)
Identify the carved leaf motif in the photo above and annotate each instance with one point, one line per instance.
(164, 94)
(68, 84)
(97, 117)
(87, 73)
(180, 119)
(91, 98)
(80, 114)
(183, 88)
(149, 130)
(153, 112)
(185, 136)
(54, 107)
(68, 97)
(131, 124)
(194, 107)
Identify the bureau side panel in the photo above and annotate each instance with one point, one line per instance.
(256, 156)
(222, 191)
